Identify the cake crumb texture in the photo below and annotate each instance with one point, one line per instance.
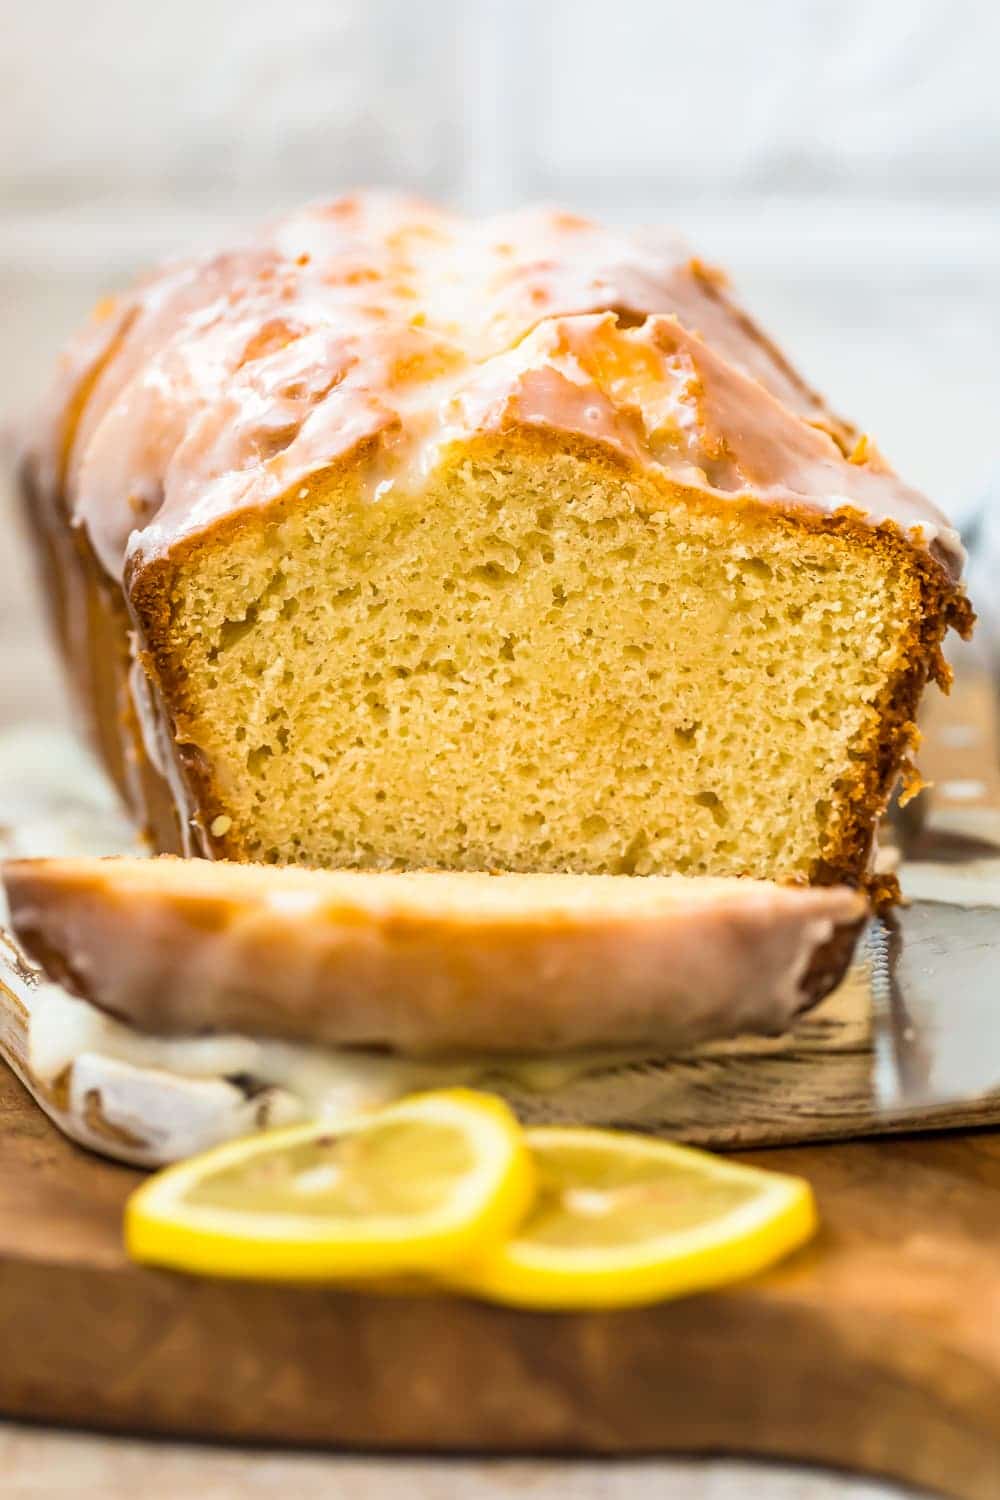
(534, 665)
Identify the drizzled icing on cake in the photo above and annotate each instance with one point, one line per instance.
(377, 320)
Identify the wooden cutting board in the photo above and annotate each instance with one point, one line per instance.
(877, 1348)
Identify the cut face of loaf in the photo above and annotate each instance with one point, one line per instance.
(429, 961)
(539, 664)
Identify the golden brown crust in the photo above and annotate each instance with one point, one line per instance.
(881, 762)
(91, 622)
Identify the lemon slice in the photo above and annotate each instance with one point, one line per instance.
(432, 1180)
(623, 1219)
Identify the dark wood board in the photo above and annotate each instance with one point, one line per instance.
(877, 1348)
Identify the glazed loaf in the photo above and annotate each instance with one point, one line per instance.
(390, 540)
(430, 962)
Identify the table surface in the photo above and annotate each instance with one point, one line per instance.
(36, 1461)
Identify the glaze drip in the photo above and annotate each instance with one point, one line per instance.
(376, 319)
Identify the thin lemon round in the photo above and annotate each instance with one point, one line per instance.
(620, 1220)
(422, 1184)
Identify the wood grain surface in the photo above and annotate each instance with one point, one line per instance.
(877, 1348)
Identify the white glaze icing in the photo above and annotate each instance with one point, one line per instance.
(379, 320)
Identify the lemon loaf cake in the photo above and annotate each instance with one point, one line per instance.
(431, 961)
(391, 540)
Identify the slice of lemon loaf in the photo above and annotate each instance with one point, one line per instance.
(431, 961)
(391, 540)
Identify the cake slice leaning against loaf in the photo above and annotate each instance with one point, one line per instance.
(431, 962)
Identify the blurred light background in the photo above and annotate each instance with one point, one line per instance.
(840, 157)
